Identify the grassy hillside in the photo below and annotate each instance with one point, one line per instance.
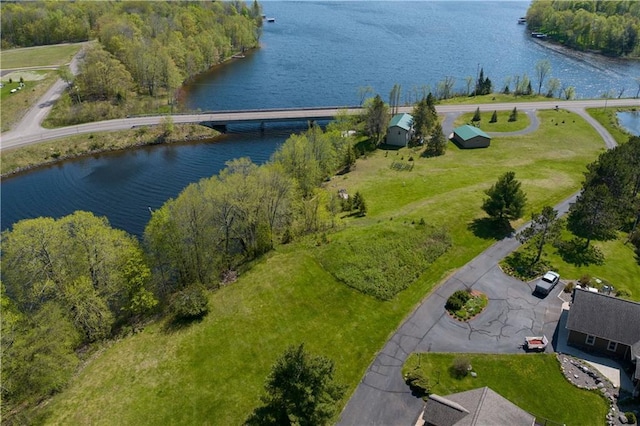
(212, 372)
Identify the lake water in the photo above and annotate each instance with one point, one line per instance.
(630, 121)
(314, 54)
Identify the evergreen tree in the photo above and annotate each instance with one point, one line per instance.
(593, 215)
(437, 143)
(476, 116)
(301, 390)
(506, 200)
(514, 114)
(376, 118)
(494, 117)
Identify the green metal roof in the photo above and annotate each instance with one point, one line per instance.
(467, 132)
(404, 121)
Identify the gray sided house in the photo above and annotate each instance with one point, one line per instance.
(481, 406)
(470, 137)
(606, 324)
(400, 130)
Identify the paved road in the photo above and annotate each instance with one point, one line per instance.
(29, 130)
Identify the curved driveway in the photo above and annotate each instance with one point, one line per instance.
(513, 312)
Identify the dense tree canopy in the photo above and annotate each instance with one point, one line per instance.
(159, 43)
(608, 26)
(65, 282)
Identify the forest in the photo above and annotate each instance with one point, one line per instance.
(68, 284)
(145, 48)
(609, 27)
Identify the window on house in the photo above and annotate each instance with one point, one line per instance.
(590, 340)
(612, 346)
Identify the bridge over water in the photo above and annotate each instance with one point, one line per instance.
(221, 119)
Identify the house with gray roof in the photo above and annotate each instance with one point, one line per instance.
(475, 407)
(400, 130)
(470, 137)
(604, 323)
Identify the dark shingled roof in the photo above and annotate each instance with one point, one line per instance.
(476, 407)
(605, 316)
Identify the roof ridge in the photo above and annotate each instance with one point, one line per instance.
(479, 407)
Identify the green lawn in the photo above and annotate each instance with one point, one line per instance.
(213, 371)
(39, 56)
(501, 125)
(620, 268)
(534, 382)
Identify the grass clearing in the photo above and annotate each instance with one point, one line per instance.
(215, 369)
(39, 56)
(386, 259)
(492, 98)
(502, 125)
(534, 382)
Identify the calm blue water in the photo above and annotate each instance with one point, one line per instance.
(320, 53)
(630, 121)
(315, 54)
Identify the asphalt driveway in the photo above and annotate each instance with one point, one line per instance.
(513, 312)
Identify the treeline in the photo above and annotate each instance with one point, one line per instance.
(611, 27)
(158, 44)
(610, 197)
(72, 282)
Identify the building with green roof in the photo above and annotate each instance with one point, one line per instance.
(470, 137)
(400, 130)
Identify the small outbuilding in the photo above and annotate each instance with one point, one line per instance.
(470, 137)
(400, 130)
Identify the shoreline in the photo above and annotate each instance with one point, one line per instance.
(54, 156)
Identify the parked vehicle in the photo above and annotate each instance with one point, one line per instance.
(547, 283)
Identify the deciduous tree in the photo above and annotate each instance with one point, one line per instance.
(544, 227)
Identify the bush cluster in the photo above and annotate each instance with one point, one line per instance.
(190, 303)
(456, 301)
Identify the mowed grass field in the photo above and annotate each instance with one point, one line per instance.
(534, 382)
(212, 372)
(39, 56)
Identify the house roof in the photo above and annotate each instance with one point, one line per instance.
(404, 121)
(476, 407)
(605, 316)
(467, 132)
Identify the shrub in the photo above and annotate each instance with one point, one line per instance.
(631, 417)
(456, 301)
(569, 287)
(624, 293)
(190, 303)
(585, 280)
(418, 384)
(461, 367)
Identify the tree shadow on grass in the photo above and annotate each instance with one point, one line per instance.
(177, 324)
(490, 229)
(576, 253)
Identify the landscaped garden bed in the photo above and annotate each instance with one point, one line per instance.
(464, 305)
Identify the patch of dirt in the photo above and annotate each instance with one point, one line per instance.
(26, 76)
